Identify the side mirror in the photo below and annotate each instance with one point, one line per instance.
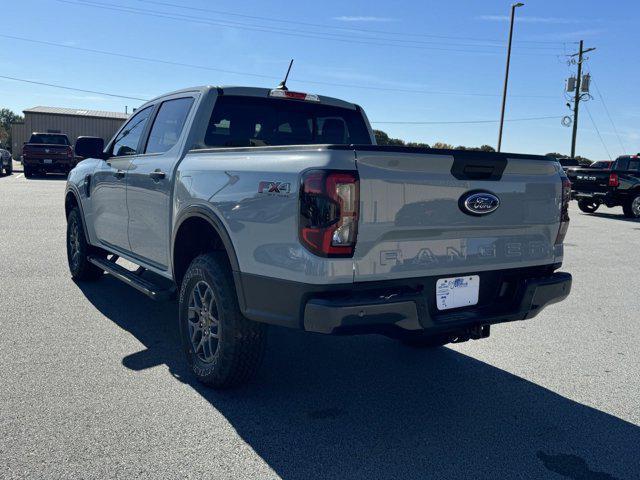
(89, 147)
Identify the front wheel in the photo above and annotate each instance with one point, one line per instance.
(631, 209)
(588, 206)
(78, 249)
(223, 348)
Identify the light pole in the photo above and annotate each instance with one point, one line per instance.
(506, 75)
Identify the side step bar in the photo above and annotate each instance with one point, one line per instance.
(133, 279)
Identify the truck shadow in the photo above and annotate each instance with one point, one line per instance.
(613, 216)
(365, 407)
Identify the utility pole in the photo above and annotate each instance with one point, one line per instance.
(580, 54)
(506, 75)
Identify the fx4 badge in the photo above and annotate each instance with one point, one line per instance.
(275, 188)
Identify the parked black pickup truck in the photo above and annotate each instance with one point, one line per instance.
(617, 187)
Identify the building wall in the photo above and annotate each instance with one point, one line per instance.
(17, 135)
(73, 126)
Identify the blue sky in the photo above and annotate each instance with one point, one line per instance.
(405, 61)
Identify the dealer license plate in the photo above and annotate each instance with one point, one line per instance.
(456, 292)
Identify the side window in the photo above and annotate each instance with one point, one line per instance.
(634, 165)
(168, 125)
(127, 141)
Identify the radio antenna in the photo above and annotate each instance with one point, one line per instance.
(283, 84)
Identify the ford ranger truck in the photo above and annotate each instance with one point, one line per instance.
(618, 186)
(259, 207)
(47, 153)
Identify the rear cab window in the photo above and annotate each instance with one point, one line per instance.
(49, 139)
(628, 164)
(244, 121)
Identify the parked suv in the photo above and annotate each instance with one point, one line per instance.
(258, 206)
(47, 152)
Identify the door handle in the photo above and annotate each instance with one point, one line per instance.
(157, 175)
(119, 173)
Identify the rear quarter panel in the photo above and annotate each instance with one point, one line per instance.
(262, 226)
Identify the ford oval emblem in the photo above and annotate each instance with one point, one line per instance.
(479, 203)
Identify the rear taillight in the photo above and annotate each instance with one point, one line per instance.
(614, 181)
(329, 212)
(564, 210)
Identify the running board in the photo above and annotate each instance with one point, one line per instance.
(134, 279)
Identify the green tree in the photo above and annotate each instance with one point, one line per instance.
(383, 139)
(442, 145)
(7, 117)
(581, 160)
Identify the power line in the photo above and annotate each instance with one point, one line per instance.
(282, 31)
(250, 74)
(347, 29)
(34, 82)
(609, 115)
(471, 121)
(597, 131)
(107, 94)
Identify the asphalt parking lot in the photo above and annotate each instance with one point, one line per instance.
(93, 385)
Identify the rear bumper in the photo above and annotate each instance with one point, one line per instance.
(393, 307)
(611, 198)
(57, 164)
(575, 195)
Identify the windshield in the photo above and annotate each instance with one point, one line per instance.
(49, 139)
(252, 121)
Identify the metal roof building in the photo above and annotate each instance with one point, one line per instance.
(70, 121)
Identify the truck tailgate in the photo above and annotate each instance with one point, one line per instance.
(589, 180)
(412, 223)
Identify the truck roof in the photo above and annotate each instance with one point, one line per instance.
(47, 133)
(250, 92)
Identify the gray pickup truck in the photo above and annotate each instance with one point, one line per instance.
(257, 206)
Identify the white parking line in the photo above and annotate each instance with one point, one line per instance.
(18, 176)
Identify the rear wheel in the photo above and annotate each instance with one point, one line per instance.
(631, 208)
(78, 250)
(9, 169)
(223, 348)
(588, 206)
(28, 172)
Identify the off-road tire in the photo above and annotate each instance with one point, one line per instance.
(81, 269)
(240, 341)
(587, 206)
(421, 340)
(627, 208)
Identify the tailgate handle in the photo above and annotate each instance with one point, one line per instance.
(478, 166)
(479, 171)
